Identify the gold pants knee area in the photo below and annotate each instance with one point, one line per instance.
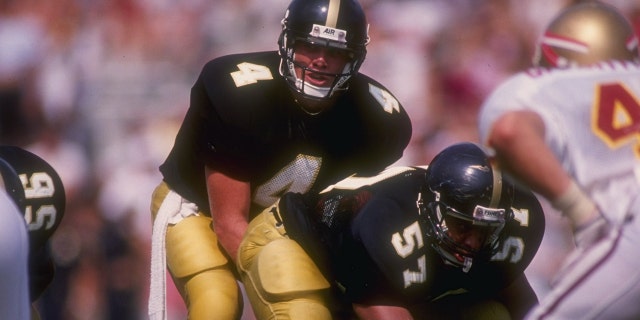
(281, 280)
(201, 272)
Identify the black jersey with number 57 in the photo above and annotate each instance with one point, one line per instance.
(379, 247)
(243, 121)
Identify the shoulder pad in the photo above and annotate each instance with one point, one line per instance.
(44, 195)
(242, 89)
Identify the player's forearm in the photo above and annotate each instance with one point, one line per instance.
(518, 139)
(229, 201)
(230, 235)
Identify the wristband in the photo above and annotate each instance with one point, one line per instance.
(575, 205)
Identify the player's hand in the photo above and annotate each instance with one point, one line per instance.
(591, 232)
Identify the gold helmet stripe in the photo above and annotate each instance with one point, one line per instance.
(496, 192)
(332, 13)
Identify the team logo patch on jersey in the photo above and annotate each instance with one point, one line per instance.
(329, 33)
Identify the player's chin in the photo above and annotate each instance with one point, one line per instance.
(315, 106)
(318, 80)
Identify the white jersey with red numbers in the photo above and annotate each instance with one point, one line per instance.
(14, 254)
(592, 124)
(592, 121)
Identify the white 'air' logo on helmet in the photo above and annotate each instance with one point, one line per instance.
(329, 33)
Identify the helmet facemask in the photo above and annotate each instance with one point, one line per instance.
(288, 65)
(333, 25)
(446, 224)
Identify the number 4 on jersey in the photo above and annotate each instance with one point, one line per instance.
(616, 116)
(386, 100)
(250, 73)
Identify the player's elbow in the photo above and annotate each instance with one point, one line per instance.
(513, 127)
(505, 131)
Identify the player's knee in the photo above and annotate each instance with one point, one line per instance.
(283, 282)
(301, 308)
(201, 271)
(285, 270)
(192, 247)
(308, 309)
(260, 233)
(212, 294)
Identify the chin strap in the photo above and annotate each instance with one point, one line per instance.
(314, 91)
(467, 264)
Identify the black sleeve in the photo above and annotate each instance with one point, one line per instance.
(41, 270)
(388, 122)
(518, 297)
(218, 143)
(229, 122)
(520, 243)
(302, 226)
(529, 223)
(372, 268)
(343, 252)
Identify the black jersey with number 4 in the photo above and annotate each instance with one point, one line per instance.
(378, 248)
(243, 121)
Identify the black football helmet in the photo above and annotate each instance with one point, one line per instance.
(464, 190)
(43, 194)
(586, 33)
(338, 24)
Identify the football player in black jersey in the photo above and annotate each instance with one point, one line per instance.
(450, 241)
(260, 125)
(33, 203)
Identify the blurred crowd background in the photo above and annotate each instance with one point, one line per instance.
(98, 88)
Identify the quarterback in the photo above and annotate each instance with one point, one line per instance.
(259, 125)
(569, 130)
(450, 241)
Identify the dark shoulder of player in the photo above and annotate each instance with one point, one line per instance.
(528, 223)
(391, 213)
(519, 245)
(243, 84)
(378, 101)
(383, 117)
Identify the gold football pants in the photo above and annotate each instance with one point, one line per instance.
(281, 280)
(201, 272)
